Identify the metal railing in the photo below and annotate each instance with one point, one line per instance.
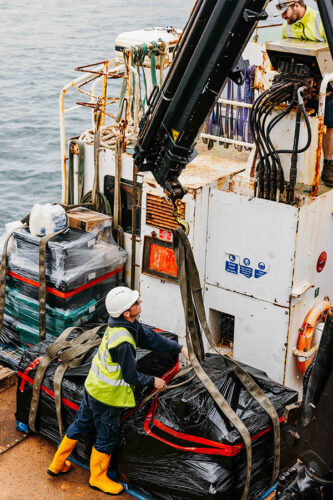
(240, 104)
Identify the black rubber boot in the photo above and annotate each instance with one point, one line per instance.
(327, 173)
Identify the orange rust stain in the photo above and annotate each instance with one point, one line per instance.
(321, 131)
(162, 259)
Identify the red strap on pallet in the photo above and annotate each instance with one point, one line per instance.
(32, 365)
(212, 447)
(168, 376)
(65, 295)
(48, 392)
(25, 378)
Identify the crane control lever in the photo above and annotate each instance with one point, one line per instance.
(211, 44)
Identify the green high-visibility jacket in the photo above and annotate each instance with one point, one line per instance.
(309, 27)
(105, 380)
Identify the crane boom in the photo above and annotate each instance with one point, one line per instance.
(209, 50)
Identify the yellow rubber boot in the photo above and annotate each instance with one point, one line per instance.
(99, 464)
(60, 465)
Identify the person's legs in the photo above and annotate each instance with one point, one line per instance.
(84, 420)
(328, 144)
(327, 173)
(107, 422)
(82, 424)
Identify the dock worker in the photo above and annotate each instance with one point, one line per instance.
(304, 23)
(109, 386)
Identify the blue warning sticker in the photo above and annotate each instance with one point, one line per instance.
(231, 267)
(258, 273)
(236, 264)
(246, 271)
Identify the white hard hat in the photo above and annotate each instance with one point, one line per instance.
(119, 300)
(280, 7)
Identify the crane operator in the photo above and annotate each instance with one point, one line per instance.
(304, 23)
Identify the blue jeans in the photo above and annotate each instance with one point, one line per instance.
(103, 418)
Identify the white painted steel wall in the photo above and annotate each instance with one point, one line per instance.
(288, 241)
(251, 246)
(261, 329)
(314, 235)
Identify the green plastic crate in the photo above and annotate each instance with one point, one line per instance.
(26, 311)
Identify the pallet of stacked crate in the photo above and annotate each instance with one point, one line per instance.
(82, 265)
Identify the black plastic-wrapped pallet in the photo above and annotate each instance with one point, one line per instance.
(180, 446)
(156, 364)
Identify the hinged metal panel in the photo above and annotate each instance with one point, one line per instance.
(251, 245)
(260, 329)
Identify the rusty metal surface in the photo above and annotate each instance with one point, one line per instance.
(23, 468)
(160, 212)
(321, 131)
(209, 166)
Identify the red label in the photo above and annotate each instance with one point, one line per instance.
(165, 235)
(321, 262)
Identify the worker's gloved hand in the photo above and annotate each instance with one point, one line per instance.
(184, 351)
(160, 384)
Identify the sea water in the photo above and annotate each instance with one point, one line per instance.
(41, 44)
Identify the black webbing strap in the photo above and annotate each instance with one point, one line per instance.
(60, 343)
(3, 272)
(195, 314)
(71, 354)
(42, 281)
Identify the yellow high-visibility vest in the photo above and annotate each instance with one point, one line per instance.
(105, 379)
(309, 27)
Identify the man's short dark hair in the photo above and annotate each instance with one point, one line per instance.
(301, 2)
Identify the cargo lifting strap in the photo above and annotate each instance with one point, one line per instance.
(195, 318)
(71, 354)
(3, 272)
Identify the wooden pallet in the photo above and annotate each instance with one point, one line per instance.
(7, 378)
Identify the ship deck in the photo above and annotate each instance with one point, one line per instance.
(24, 461)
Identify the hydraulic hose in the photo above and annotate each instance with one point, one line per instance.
(254, 132)
(269, 177)
(308, 127)
(278, 96)
(266, 176)
(293, 166)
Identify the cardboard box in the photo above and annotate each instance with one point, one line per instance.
(87, 220)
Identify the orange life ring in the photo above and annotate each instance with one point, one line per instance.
(307, 331)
